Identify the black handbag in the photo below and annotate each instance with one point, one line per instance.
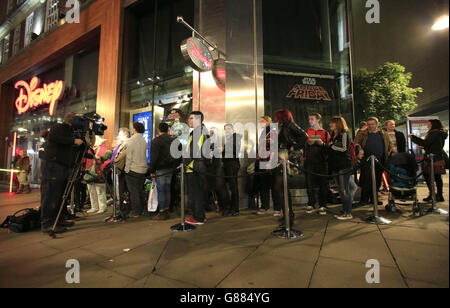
(23, 221)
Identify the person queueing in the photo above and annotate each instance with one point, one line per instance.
(196, 168)
(58, 161)
(267, 158)
(231, 165)
(24, 167)
(95, 170)
(136, 169)
(340, 162)
(374, 142)
(118, 160)
(291, 137)
(162, 166)
(398, 139)
(434, 143)
(316, 162)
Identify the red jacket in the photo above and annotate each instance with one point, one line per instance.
(316, 154)
(98, 152)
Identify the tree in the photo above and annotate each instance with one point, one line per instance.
(384, 93)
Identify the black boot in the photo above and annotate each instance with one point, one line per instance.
(428, 199)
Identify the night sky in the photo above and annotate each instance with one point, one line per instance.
(404, 35)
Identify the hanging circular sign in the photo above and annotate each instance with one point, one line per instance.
(197, 54)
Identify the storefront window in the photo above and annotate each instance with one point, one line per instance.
(156, 78)
(79, 74)
(306, 59)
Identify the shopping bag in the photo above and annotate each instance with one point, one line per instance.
(153, 199)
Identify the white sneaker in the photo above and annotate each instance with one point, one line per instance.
(344, 217)
(261, 212)
(323, 211)
(310, 209)
(92, 211)
(101, 212)
(277, 214)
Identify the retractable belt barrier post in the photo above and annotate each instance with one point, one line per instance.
(434, 209)
(287, 232)
(183, 226)
(375, 219)
(114, 217)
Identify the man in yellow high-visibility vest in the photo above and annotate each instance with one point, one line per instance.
(198, 156)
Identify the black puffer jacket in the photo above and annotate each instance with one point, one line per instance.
(292, 135)
(433, 143)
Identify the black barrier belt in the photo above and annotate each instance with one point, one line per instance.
(157, 176)
(230, 176)
(401, 177)
(350, 171)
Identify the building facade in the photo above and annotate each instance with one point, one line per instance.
(123, 61)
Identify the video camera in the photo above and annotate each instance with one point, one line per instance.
(84, 123)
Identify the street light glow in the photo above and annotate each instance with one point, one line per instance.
(441, 24)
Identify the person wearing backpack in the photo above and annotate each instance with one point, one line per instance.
(162, 166)
(316, 161)
(24, 166)
(340, 162)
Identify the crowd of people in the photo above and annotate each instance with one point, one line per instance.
(212, 166)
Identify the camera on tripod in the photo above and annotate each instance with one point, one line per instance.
(82, 124)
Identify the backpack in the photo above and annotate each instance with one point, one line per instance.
(23, 221)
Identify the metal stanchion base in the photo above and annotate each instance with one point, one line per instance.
(378, 220)
(114, 219)
(182, 228)
(438, 211)
(291, 234)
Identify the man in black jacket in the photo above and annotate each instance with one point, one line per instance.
(231, 165)
(58, 161)
(161, 165)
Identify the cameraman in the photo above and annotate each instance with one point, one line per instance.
(58, 161)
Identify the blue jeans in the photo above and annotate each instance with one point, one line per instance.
(347, 190)
(163, 184)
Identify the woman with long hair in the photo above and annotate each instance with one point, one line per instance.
(434, 143)
(291, 137)
(340, 162)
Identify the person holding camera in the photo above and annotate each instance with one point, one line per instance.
(58, 161)
(136, 169)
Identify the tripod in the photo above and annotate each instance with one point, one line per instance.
(68, 190)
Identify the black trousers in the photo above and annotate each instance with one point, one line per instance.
(316, 184)
(365, 181)
(197, 195)
(232, 169)
(438, 182)
(55, 181)
(217, 184)
(266, 184)
(135, 183)
(79, 195)
(278, 192)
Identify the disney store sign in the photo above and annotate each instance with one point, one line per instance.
(32, 97)
(197, 54)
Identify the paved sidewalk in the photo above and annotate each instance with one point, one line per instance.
(230, 252)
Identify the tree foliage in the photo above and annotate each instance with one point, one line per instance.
(385, 93)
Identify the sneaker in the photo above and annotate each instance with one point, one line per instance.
(92, 211)
(323, 211)
(192, 221)
(344, 217)
(261, 212)
(100, 212)
(277, 214)
(310, 209)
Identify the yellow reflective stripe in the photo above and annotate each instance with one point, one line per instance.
(200, 144)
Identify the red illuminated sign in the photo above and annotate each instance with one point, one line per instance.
(31, 97)
(197, 54)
